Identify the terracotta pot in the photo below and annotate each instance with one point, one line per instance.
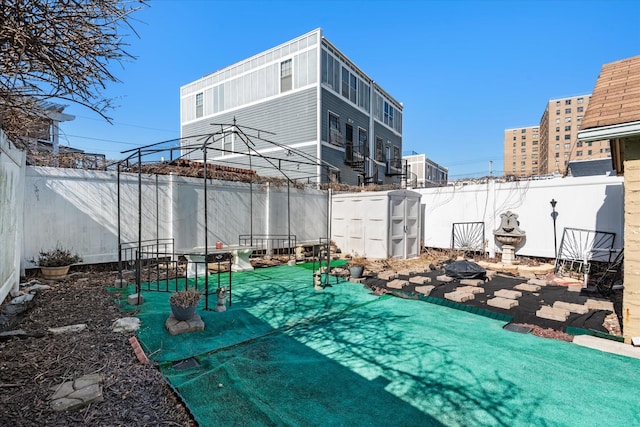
(183, 313)
(55, 273)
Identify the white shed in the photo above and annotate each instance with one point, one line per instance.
(380, 224)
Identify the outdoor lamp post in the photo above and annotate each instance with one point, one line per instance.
(554, 215)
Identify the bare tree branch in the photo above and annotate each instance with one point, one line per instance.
(59, 49)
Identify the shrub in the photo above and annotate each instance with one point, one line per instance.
(56, 257)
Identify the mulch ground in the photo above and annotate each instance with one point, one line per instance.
(134, 393)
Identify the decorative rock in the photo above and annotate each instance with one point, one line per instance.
(387, 275)
(134, 300)
(22, 299)
(507, 293)
(419, 280)
(444, 278)
(470, 289)
(176, 327)
(505, 303)
(459, 296)
(527, 287)
(38, 287)
(471, 282)
(397, 284)
(69, 328)
(126, 324)
(537, 282)
(406, 272)
(548, 312)
(593, 304)
(76, 394)
(424, 290)
(573, 308)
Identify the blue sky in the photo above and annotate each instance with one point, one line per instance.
(464, 70)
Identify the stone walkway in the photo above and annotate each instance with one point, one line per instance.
(518, 291)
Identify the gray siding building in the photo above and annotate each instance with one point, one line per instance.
(312, 115)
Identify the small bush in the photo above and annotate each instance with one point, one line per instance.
(56, 257)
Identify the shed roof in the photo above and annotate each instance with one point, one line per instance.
(616, 96)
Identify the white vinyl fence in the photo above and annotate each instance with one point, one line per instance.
(590, 203)
(12, 169)
(79, 209)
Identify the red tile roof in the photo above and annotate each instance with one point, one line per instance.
(616, 96)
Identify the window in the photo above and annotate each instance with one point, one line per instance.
(567, 110)
(379, 152)
(567, 128)
(348, 135)
(567, 102)
(523, 150)
(286, 82)
(579, 153)
(524, 136)
(362, 141)
(227, 143)
(557, 137)
(567, 146)
(580, 100)
(580, 109)
(523, 144)
(535, 142)
(523, 163)
(557, 112)
(335, 137)
(199, 104)
(514, 151)
(514, 138)
(535, 149)
(567, 136)
(557, 155)
(557, 146)
(557, 120)
(557, 103)
(388, 115)
(579, 118)
(590, 143)
(396, 153)
(557, 128)
(589, 152)
(514, 144)
(567, 120)
(523, 131)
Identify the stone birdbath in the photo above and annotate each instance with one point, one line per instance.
(509, 235)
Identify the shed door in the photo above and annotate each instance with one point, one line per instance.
(404, 215)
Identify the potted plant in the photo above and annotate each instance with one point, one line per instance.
(54, 263)
(356, 266)
(184, 303)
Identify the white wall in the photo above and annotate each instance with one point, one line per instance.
(79, 209)
(12, 167)
(592, 203)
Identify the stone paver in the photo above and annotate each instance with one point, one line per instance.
(593, 304)
(506, 303)
(176, 327)
(76, 394)
(387, 275)
(425, 290)
(419, 280)
(507, 293)
(397, 284)
(444, 278)
(471, 282)
(573, 308)
(527, 287)
(459, 296)
(548, 312)
(470, 289)
(537, 282)
(406, 272)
